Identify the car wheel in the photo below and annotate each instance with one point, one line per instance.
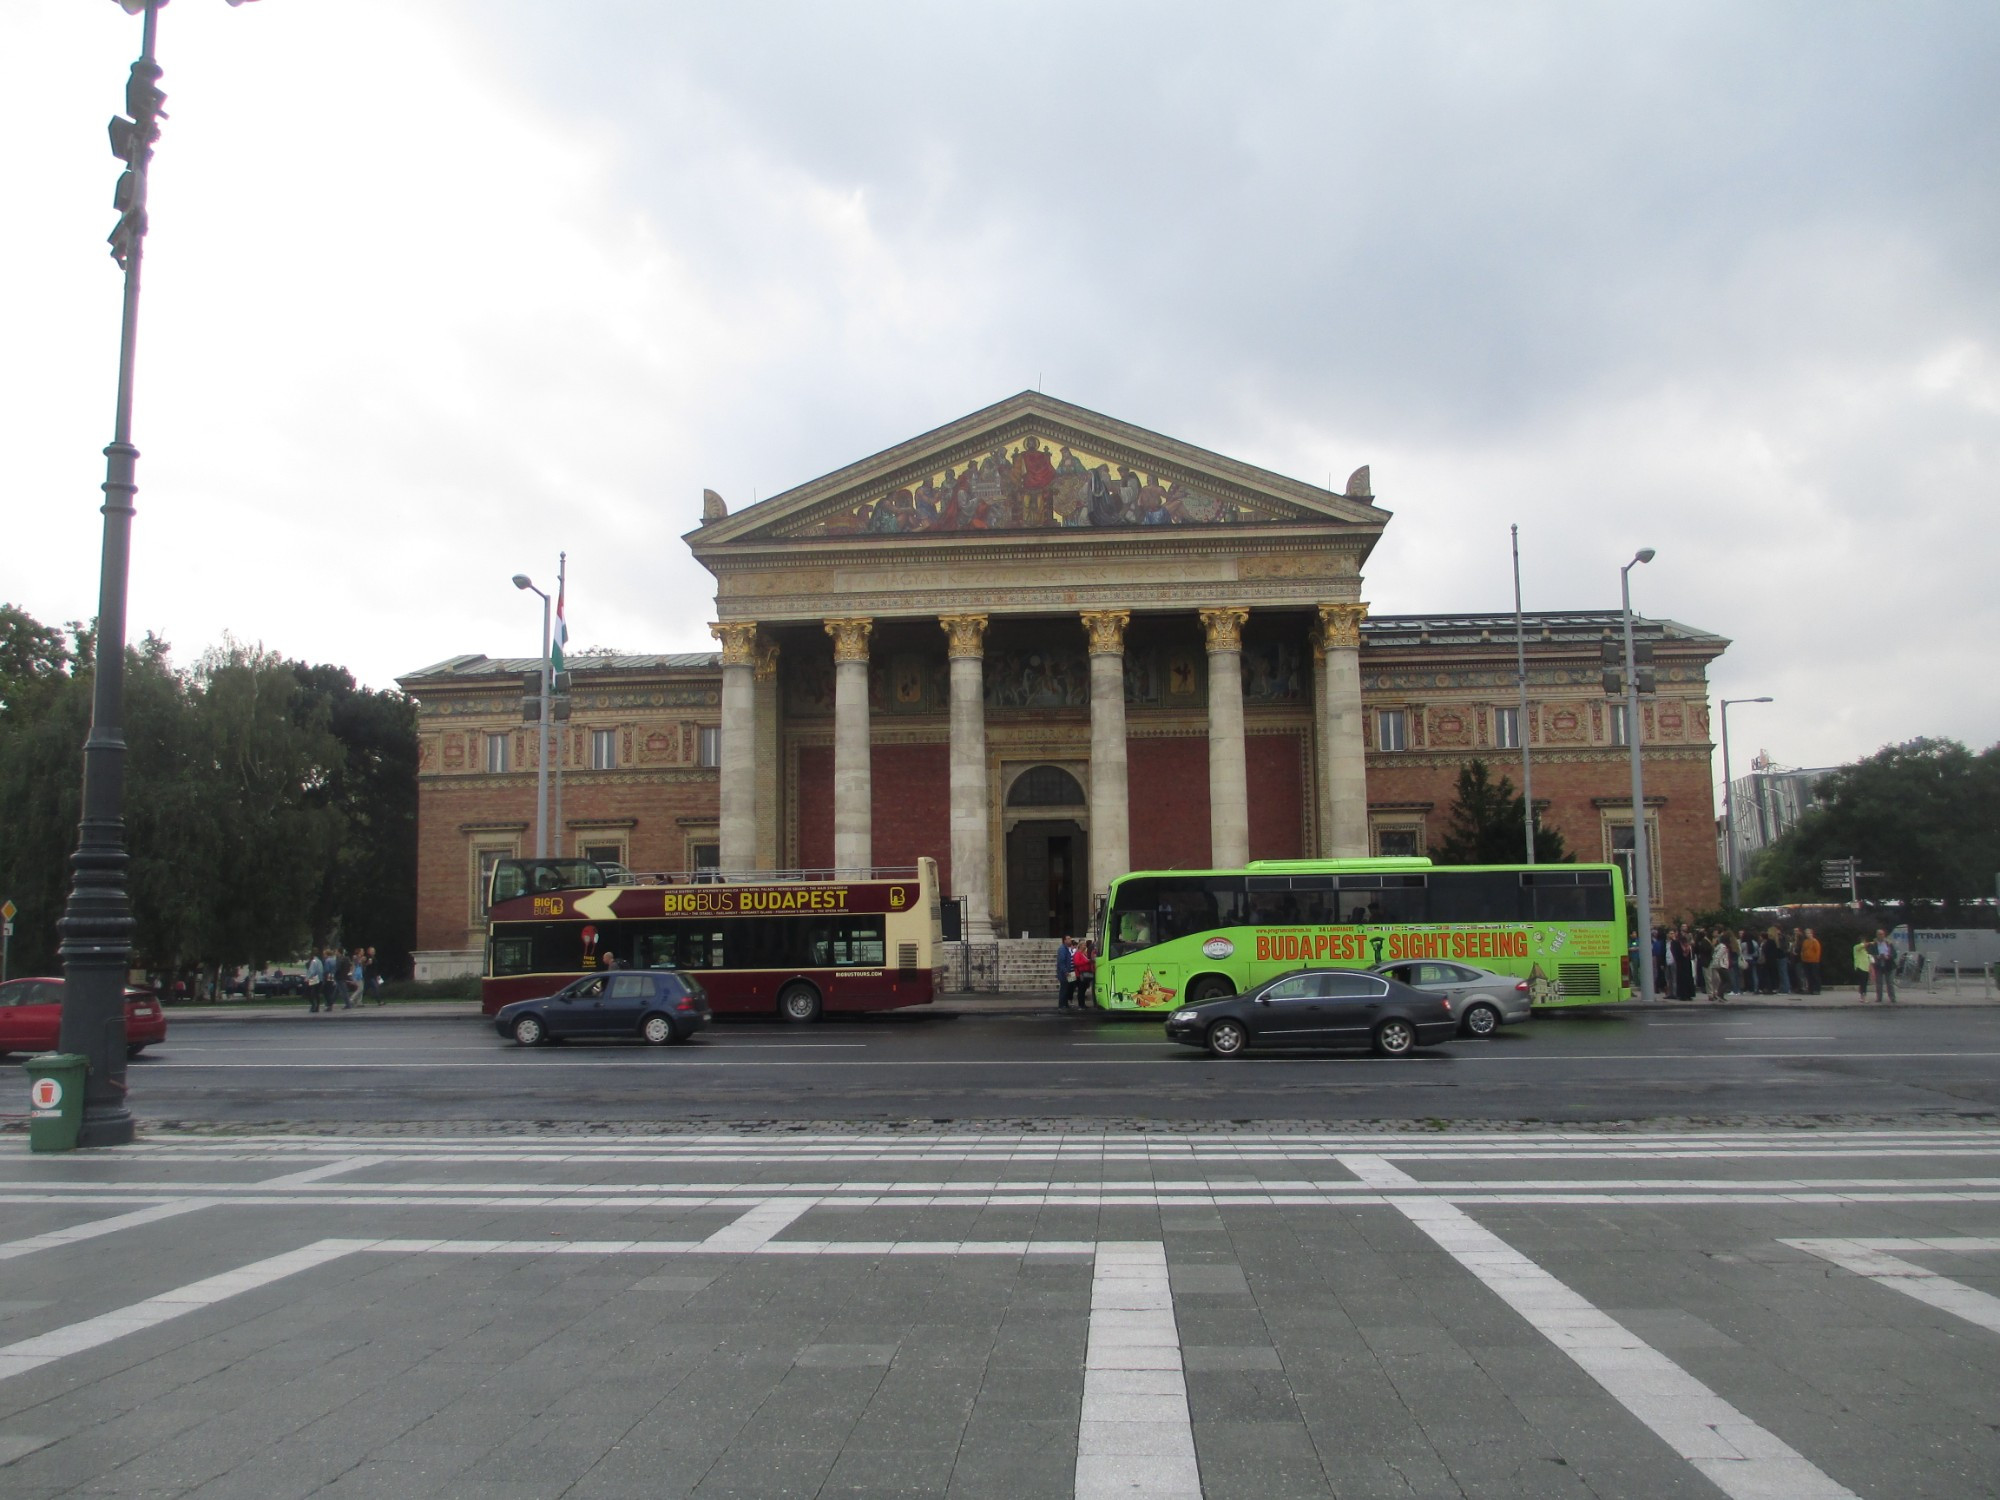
(1212, 987)
(799, 1003)
(1395, 1037)
(134, 1051)
(657, 1030)
(1481, 1020)
(1226, 1038)
(529, 1031)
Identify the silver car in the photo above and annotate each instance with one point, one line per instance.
(1484, 1001)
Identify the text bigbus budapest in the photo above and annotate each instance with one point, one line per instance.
(1178, 937)
(784, 943)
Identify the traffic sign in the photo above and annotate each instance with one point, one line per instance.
(7, 910)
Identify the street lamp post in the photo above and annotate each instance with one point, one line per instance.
(97, 925)
(522, 581)
(1642, 874)
(1729, 796)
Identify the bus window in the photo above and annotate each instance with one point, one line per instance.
(855, 944)
(1134, 930)
(1272, 902)
(1569, 895)
(513, 955)
(1384, 898)
(1476, 896)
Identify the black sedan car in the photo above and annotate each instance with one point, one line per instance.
(1318, 1008)
(655, 1005)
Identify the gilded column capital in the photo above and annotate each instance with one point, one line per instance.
(739, 641)
(1107, 630)
(766, 660)
(967, 635)
(1224, 627)
(850, 638)
(1316, 637)
(1341, 624)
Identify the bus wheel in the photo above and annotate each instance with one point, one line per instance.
(529, 1031)
(1211, 987)
(1225, 1038)
(1481, 1020)
(658, 1030)
(1395, 1037)
(800, 1003)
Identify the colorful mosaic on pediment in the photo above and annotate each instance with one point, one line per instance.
(1029, 485)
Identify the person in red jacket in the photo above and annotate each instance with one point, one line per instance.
(1083, 976)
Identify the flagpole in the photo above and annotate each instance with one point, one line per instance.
(562, 640)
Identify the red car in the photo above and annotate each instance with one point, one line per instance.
(31, 1017)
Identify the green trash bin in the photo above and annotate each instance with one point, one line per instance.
(55, 1099)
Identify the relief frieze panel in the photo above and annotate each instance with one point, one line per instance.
(1032, 484)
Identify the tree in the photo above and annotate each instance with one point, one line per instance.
(1925, 813)
(1487, 825)
(268, 804)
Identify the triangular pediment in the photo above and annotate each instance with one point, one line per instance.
(1034, 464)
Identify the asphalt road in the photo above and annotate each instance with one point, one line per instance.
(1893, 1064)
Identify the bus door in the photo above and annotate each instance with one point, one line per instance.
(854, 948)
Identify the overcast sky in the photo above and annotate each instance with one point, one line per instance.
(438, 288)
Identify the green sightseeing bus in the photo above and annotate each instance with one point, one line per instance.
(1178, 937)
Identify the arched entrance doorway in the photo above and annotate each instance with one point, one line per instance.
(1048, 854)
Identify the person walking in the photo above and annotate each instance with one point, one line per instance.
(1864, 963)
(1885, 968)
(1065, 972)
(375, 979)
(343, 968)
(357, 978)
(315, 983)
(1809, 956)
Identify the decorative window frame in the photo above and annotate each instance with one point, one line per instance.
(1400, 717)
(1620, 816)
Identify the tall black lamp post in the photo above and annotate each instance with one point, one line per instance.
(96, 925)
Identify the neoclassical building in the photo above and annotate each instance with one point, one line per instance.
(1046, 647)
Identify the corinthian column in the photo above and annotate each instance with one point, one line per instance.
(768, 840)
(971, 862)
(739, 745)
(1110, 818)
(1344, 730)
(853, 776)
(1228, 777)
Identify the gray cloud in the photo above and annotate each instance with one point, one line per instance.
(1714, 278)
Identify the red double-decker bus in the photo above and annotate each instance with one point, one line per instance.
(792, 943)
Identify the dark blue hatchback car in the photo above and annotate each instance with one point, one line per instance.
(654, 1005)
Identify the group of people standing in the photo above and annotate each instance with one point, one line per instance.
(347, 977)
(1076, 974)
(1714, 961)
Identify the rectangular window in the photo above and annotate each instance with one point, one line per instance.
(498, 748)
(705, 858)
(709, 750)
(1618, 726)
(1391, 729)
(1506, 728)
(604, 854)
(603, 749)
(1619, 838)
(488, 858)
(1405, 840)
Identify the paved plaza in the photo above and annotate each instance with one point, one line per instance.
(834, 1312)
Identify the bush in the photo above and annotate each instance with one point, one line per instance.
(464, 987)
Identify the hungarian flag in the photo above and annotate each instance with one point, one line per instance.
(561, 637)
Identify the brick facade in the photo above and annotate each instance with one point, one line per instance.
(1451, 679)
